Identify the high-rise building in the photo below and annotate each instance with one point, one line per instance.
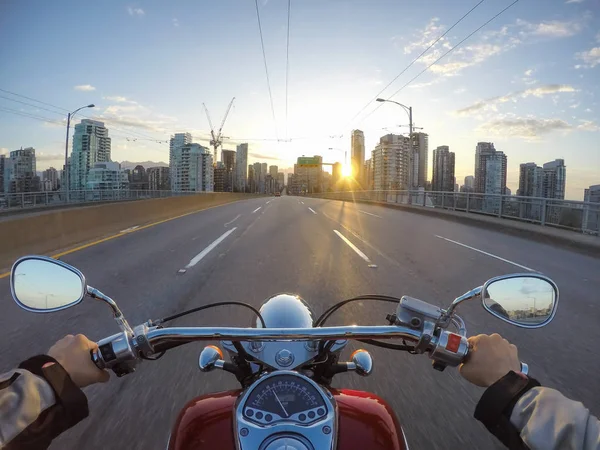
(369, 174)
(421, 157)
(259, 178)
(391, 163)
(3, 169)
(191, 168)
(273, 170)
(309, 179)
(22, 175)
(138, 180)
(280, 181)
(219, 176)
(251, 179)
(228, 157)
(591, 215)
(531, 177)
(107, 176)
(336, 176)
(241, 167)
(495, 181)
(555, 176)
(443, 169)
(177, 141)
(91, 144)
(470, 182)
(50, 179)
(357, 155)
(483, 151)
(159, 178)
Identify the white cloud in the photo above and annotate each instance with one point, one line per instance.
(575, 105)
(175, 22)
(574, 1)
(531, 128)
(591, 58)
(588, 110)
(551, 29)
(424, 38)
(84, 87)
(539, 92)
(588, 125)
(120, 99)
(460, 90)
(529, 72)
(135, 11)
(3, 151)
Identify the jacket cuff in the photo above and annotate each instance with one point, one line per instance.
(68, 395)
(496, 405)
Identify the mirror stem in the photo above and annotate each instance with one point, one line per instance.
(119, 317)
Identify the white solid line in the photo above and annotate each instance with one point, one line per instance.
(302, 202)
(127, 230)
(374, 215)
(354, 247)
(268, 202)
(312, 210)
(256, 209)
(196, 259)
(487, 254)
(231, 221)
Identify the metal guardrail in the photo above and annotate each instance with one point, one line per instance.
(24, 200)
(583, 217)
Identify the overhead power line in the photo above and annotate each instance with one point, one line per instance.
(287, 67)
(262, 44)
(441, 57)
(107, 120)
(416, 59)
(31, 116)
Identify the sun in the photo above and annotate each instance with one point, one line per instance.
(346, 170)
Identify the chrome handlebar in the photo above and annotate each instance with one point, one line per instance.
(123, 350)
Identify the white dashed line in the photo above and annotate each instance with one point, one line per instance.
(302, 202)
(370, 214)
(231, 221)
(256, 209)
(487, 254)
(312, 210)
(355, 248)
(207, 250)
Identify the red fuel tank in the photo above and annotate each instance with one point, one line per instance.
(366, 421)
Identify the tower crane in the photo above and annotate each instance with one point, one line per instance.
(217, 138)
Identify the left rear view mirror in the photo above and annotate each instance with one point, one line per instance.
(42, 284)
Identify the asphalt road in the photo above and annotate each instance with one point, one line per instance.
(289, 244)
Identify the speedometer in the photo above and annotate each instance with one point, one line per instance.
(284, 397)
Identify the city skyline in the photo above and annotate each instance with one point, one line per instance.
(524, 82)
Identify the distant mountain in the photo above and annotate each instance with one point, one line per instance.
(146, 164)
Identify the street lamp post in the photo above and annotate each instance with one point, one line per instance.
(66, 174)
(408, 110)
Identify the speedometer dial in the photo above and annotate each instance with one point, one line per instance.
(284, 397)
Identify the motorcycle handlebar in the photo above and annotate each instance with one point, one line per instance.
(447, 348)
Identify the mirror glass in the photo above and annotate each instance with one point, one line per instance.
(524, 301)
(43, 285)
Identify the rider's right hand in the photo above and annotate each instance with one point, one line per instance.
(73, 354)
(489, 359)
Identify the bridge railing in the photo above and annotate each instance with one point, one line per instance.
(579, 216)
(24, 200)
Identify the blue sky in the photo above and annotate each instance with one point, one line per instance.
(528, 81)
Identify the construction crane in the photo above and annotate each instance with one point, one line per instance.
(217, 139)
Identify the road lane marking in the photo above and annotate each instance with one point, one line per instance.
(256, 209)
(312, 210)
(231, 221)
(268, 202)
(302, 202)
(355, 248)
(114, 236)
(370, 214)
(487, 254)
(196, 259)
(128, 230)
